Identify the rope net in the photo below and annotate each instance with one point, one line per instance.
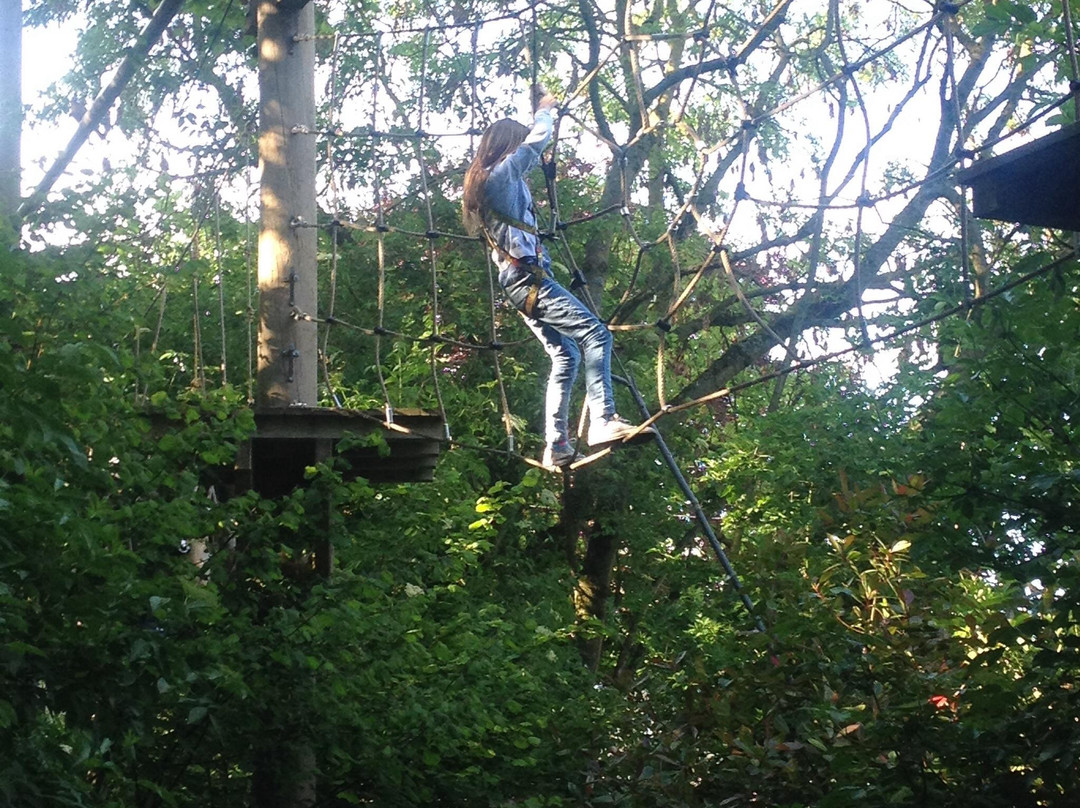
(705, 177)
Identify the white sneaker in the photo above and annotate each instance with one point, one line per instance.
(617, 429)
(560, 454)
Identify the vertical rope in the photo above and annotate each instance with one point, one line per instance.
(161, 315)
(703, 38)
(661, 396)
(534, 55)
(380, 244)
(221, 286)
(197, 357)
(507, 417)
(431, 234)
(718, 238)
(324, 351)
(474, 100)
(380, 230)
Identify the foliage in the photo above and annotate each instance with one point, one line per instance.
(911, 549)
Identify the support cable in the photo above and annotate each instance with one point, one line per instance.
(448, 26)
(423, 339)
(695, 505)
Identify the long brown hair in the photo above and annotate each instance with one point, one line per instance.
(499, 141)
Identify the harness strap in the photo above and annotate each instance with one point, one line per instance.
(510, 220)
(534, 290)
(528, 261)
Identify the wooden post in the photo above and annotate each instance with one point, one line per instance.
(286, 374)
(11, 114)
(287, 347)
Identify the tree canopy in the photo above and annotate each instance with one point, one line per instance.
(871, 392)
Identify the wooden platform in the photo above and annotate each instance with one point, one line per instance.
(1035, 184)
(288, 440)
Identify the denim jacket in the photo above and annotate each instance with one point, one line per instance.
(507, 192)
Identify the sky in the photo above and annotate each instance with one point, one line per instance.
(45, 60)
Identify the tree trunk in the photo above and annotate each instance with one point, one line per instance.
(592, 591)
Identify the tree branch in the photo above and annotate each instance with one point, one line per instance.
(100, 108)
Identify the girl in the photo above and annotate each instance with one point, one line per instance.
(497, 204)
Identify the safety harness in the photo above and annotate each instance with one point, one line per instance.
(532, 261)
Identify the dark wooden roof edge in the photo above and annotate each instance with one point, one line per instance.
(985, 165)
(333, 422)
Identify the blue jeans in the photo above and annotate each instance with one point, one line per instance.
(562, 322)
